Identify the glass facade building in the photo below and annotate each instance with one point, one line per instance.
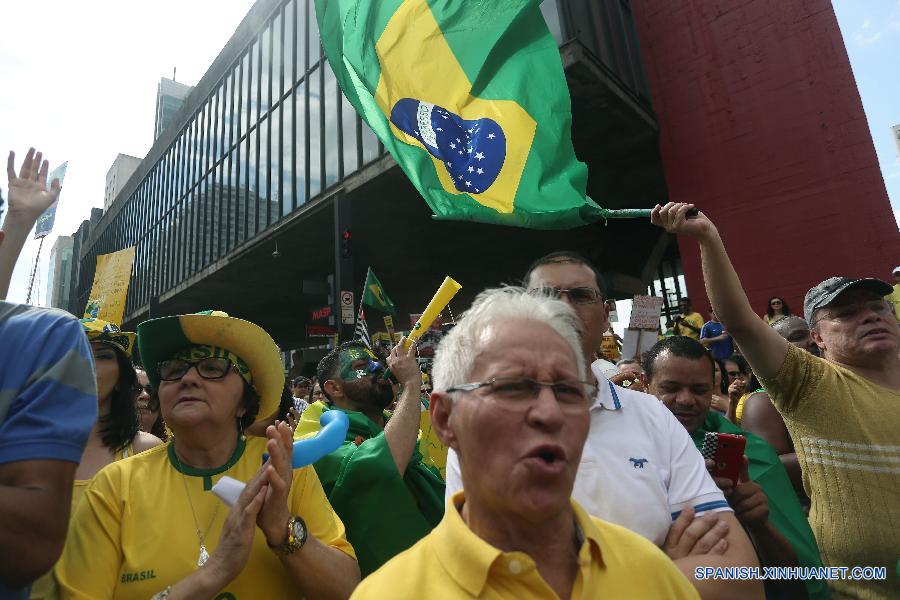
(268, 131)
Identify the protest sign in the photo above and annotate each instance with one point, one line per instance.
(110, 288)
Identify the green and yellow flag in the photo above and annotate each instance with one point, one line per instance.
(374, 295)
(470, 98)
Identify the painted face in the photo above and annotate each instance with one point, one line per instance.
(361, 374)
(358, 363)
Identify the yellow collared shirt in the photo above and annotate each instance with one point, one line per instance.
(453, 562)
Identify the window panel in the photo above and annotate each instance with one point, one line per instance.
(287, 154)
(265, 79)
(277, 52)
(253, 102)
(290, 50)
(315, 133)
(315, 50)
(300, 144)
(227, 124)
(275, 185)
(241, 195)
(229, 198)
(332, 113)
(215, 121)
(369, 144)
(349, 127)
(245, 94)
(263, 186)
(252, 185)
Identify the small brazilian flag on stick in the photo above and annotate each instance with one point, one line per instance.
(470, 98)
(374, 295)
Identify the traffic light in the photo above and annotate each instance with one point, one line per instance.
(346, 244)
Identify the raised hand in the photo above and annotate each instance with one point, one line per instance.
(404, 366)
(673, 218)
(28, 192)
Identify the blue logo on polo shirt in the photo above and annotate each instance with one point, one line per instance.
(638, 462)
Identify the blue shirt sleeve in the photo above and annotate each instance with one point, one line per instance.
(48, 396)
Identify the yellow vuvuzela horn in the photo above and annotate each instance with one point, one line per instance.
(440, 301)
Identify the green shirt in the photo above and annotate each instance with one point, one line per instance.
(384, 513)
(785, 512)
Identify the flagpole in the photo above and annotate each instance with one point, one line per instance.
(361, 295)
(34, 271)
(634, 213)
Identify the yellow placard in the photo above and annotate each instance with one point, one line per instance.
(110, 288)
(389, 326)
(610, 348)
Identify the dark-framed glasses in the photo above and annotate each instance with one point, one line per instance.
(208, 368)
(578, 295)
(518, 392)
(137, 389)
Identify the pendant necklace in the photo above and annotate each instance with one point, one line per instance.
(204, 554)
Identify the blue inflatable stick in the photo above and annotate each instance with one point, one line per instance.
(333, 433)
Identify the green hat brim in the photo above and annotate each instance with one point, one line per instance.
(159, 339)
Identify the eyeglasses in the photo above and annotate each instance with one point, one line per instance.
(849, 312)
(517, 392)
(142, 388)
(774, 302)
(578, 295)
(208, 368)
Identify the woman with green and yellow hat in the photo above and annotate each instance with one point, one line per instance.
(116, 433)
(213, 375)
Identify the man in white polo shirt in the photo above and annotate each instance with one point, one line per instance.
(639, 468)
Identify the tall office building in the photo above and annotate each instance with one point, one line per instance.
(122, 168)
(170, 95)
(60, 272)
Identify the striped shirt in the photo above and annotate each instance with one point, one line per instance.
(48, 397)
(845, 430)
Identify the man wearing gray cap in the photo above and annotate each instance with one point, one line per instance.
(841, 409)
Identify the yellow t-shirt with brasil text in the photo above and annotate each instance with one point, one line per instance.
(452, 562)
(132, 534)
(846, 432)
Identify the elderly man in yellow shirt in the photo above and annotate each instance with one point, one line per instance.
(511, 398)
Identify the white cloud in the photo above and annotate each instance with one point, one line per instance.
(866, 39)
(79, 83)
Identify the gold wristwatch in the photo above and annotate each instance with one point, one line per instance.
(296, 538)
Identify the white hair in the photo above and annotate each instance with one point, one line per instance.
(457, 352)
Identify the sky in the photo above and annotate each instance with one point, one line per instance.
(80, 85)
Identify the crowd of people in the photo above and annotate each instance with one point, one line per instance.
(516, 466)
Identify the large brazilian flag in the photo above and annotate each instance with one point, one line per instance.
(470, 98)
